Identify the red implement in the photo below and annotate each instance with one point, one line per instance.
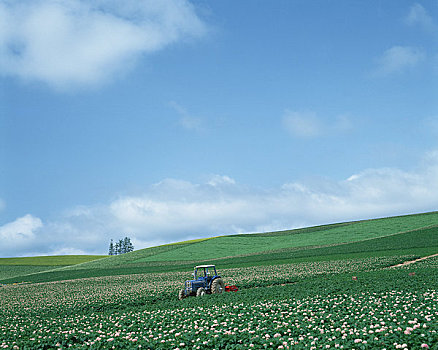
(231, 288)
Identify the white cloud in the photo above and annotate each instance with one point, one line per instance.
(419, 16)
(174, 210)
(191, 123)
(397, 59)
(68, 251)
(186, 120)
(218, 180)
(21, 229)
(303, 124)
(309, 125)
(81, 43)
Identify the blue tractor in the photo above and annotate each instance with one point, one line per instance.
(205, 281)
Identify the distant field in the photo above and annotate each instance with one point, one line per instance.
(15, 267)
(55, 260)
(11, 271)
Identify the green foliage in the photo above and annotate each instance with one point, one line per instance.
(55, 260)
(420, 241)
(376, 310)
(11, 271)
(235, 245)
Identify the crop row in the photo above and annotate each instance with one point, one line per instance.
(139, 289)
(430, 262)
(9, 271)
(384, 309)
(368, 320)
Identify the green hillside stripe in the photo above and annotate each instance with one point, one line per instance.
(416, 243)
(236, 245)
(409, 241)
(415, 235)
(55, 260)
(9, 271)
(233, 245)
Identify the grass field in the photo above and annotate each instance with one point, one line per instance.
(322, 287)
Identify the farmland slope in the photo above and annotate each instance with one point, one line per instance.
(15, 267)
(413, 235)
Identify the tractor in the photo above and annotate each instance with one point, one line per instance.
(205, 281)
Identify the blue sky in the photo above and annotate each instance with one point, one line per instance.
(173, 120)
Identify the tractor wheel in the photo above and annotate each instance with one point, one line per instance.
(217, 286)
(200, 292)
(181, 294)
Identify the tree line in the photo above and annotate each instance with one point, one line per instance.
(121, 247)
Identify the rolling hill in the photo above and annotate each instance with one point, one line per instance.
(410, 235)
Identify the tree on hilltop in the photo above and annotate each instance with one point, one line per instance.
(127, 245)
(111, 248)
(122, 246)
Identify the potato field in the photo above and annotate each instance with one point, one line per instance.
(344, 295)
(320, 306)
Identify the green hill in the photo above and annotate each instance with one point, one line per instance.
(246, 244)
(414, 235)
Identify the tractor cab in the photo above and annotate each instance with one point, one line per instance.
(204, 272)
(205, 281)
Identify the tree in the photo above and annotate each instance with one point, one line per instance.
(127, 245)
(111, 248)
(130, 247)
(122, 246)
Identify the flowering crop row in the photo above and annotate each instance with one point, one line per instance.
(430, 262)
(94, 293)
(367, 320)
(325, 308)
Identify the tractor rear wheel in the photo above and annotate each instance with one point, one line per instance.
(200, 292)
(217, 286)
(181, 294)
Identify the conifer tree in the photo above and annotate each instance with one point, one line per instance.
(117, 248)
(129, 245)
(122, 246)
(121, 250)
(111, 248)
(126, 244)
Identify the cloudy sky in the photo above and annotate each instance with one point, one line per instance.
(170, 120)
